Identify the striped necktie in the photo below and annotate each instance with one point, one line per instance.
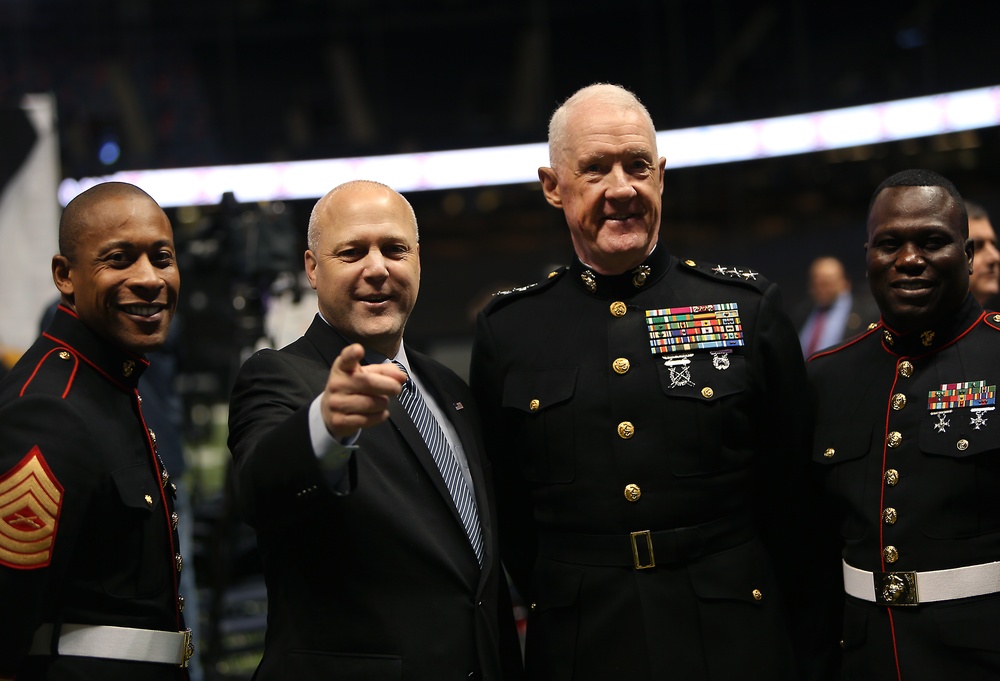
(445, 459)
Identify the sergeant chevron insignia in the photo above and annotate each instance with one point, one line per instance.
(30, 503)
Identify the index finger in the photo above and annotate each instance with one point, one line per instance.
(349, 358)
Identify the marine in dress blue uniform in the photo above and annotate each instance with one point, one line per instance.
(89, 555)
(907, 442)
(644, 488)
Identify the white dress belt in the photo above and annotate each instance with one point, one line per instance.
(116, 643)
(913, 588)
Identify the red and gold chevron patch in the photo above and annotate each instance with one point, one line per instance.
(30, 502)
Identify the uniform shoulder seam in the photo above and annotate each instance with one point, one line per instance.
(501, 298)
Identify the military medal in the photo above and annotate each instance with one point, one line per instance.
(943, 422)
(720, 359)
(976, 396)
(680, 370)
(979, 421)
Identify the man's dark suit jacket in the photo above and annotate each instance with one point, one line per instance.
(380, 581)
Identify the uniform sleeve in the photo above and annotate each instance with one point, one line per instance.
(47, 482)
(804, 551)
(275, 468)
(515, 522)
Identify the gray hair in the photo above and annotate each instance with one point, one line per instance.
(607, 93)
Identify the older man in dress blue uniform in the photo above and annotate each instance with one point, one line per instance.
(644, 416)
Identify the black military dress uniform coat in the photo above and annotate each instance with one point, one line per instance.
(644, 494)
(378, 581)
(908, 442)
(88, 533)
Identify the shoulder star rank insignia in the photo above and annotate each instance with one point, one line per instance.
(30, 502)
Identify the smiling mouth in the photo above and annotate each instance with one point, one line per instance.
(143, 309)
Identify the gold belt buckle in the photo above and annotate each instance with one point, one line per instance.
(896, 588)
(635, 550)
(188, 651)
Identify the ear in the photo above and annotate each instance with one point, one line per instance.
(550, 186)
(61, 275)
(662, 166)
(970, 252)
(310, 263)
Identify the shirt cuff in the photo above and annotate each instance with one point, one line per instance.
(333, 453)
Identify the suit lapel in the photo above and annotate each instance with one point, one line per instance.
(430, 377)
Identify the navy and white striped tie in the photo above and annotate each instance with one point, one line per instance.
(445, 459)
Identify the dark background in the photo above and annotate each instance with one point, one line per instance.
(186, 83)
(235, 81)
(206, 82)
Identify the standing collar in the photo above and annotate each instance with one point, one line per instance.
(120, 366)
(934, 337)
(623, 285)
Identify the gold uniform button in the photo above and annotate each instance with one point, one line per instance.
(894, 439)
(707, 392)
(905, 369)
(553, 273)
(165, 477)
(626, 430)
(891, 477)
(757, 595)
(174, 520)
(829, 452)
(690, 263)
(618, 308)
(890, 554)
(534, 405)
(180, 603)
(127, 368)
(872, 325)
(898, 401)
(962, 445)
(149, 500)
(534, 606)
(632, 492)
(621, 365)
(179, 561)
(64, 355)
(152, 436)
(996, 317)
(889, 516)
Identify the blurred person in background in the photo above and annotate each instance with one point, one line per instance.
(835, 312)
(985, 280)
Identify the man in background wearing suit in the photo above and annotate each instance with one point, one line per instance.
(376, 529)
(835, 311)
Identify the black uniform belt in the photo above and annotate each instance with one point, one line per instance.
(645, 548)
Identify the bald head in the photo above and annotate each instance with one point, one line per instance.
(605, 94)
(346, 191)
(81, 213)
